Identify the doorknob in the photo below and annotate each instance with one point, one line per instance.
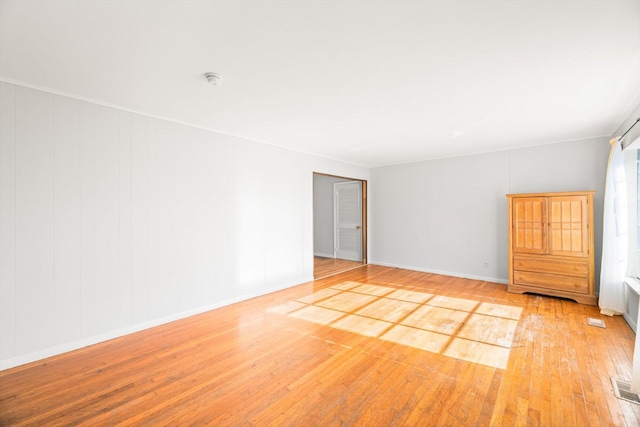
(357, 227)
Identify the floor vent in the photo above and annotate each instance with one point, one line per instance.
(596, 322)
(622, 391)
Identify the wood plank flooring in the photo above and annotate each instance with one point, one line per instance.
(323, 267)
(338, 351)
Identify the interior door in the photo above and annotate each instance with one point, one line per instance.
(347, 213)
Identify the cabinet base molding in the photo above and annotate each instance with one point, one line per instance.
(581, 299)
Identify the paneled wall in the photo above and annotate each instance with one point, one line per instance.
(453, 216)
(323, 231)
(112, 221)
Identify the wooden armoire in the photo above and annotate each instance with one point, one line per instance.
(551, 245)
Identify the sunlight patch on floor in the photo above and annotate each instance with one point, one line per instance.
(362, 325)
(436, 319)
(499, 310)
(453, 303)
(320, 295)
(417, 338)
(411, 296)
(345, 286)
(388, 309)
(488, 329)
(465, 329)
(346, 301)
(478, 352)
(373, 290)
(319, 315)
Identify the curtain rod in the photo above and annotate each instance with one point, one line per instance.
(630, 127)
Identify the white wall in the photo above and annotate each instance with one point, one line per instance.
(111, 221)
(323, 233)
(450, 215)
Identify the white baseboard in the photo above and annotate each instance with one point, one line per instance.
(85, 342)
(442, 272)
(323, 255)
(630, 321)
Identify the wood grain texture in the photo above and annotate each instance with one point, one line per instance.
(255, 363)
(323, 267)
(551, 245)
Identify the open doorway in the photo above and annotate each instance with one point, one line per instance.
(339, 224)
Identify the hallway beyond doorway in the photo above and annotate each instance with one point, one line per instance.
(323, 267)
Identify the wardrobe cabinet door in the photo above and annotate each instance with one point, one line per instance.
(529, 224)
(568, 226)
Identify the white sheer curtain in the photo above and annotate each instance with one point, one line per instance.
(614, 235)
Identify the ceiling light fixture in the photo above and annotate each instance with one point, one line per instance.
(213, 78)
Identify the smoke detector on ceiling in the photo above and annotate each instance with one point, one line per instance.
(213, 78)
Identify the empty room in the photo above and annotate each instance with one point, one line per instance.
(319, 213)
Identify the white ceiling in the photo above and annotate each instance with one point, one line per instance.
(367, 82)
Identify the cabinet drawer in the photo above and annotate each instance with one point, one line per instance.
(572, 268)
(559, 282)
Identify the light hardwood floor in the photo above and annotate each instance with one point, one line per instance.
(323, 267)
(374, 346)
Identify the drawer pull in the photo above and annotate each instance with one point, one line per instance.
(577, 285)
